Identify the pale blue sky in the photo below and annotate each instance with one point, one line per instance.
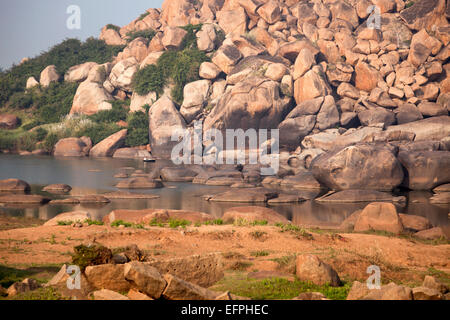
(28, 27)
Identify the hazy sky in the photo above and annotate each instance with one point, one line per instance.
(28, 27)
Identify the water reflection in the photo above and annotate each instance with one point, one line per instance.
(93, 176)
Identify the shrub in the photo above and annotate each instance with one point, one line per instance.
(113, 27)
(137, 129)
(146, 34)
(149, 79)
(54, 102)
(7, 141)
(68, 53)
(116, 114)
(98, 131)
(30, 125)
(41, 134)
(190, 40)
(21, 100)
(175, 223)
(85, 256)
(180, 66)
(27, 141)
(119, 223)
(142, 16)
(49, 143)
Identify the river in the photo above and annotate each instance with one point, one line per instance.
(94, 176)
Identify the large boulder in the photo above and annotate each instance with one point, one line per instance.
(423, 14)
(131, 153)
(164, 120)
(252, 214)
(179, 289)
(111, 37)
(173, 37)
(366, 77)
(203, 270)
(90, 98)
(353, 196)
(232, 21)
(379, 216)
(79, 72)
(425, 169)
(72, 147)
(122, 73)
(253, 103)
(9, 121)
(226, 57)
(311, 268)
(435, 128)
(49, 75)
(358, 167)
(15, 185)
(146, 278)
(195, 96)
(375, 116)
(311, 85)
(107, 276)
(138, 102)
(108, 146)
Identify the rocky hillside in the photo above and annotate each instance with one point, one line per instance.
(326, 73)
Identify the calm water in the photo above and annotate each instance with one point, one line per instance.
(92, 176)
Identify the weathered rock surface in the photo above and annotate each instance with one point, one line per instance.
(74, 216)
(425, 169)
(379, 216)
(9, 121)
(358, 167)
(311, 268)
(15, 185)
(108, 146)
(72, 147)
(146, 278)
(247, 215)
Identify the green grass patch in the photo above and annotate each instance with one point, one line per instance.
(94, 222)
(277, 288)
(260, 253)
(40, 273)
(119, 223)
(39, 294)
(175, 223)
(146, 34)
(85, 256)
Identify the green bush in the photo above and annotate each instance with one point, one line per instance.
(41, 134)
(113, 27)
(7, 141)
(68, 53)
(146, 34)
(148, 79)
(27, 141)
(98, 131)
(90, 256)
(49, 143)
(142, 16)
(180, 66)
(30, 125)
(116, 114)
(21, 100)
(190, 40)
(137, 129)
(55, 102)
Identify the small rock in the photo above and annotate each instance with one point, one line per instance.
(311, 268)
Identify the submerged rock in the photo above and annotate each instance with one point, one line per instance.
(139, 183)
(359, 196)
(366, 167)
(14, 185)
(247, 215)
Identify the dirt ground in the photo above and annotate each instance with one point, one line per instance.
(401, 260)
